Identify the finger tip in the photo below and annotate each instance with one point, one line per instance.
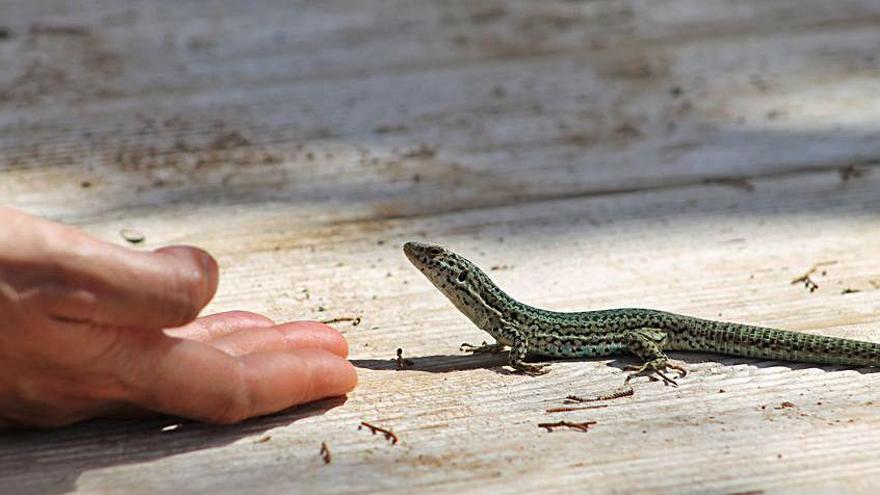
(338, 375)
(318, 335)
(337, 342)
(355, 379)
(350, 376)
(346, 379)
(203, 259)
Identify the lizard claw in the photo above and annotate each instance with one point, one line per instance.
(654, 369)
(532, 369)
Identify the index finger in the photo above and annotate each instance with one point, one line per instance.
(195, 380)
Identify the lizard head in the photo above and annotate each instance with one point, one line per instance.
(440, 265)
(456, 277)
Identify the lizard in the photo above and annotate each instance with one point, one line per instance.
(646, 333)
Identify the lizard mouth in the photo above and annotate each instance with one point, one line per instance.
(410, 249)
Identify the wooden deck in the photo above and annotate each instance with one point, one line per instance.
(684, 155)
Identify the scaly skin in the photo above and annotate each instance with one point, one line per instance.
(643, 332)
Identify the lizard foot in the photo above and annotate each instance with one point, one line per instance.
(654, 369)
(532, 369)
(493, 348)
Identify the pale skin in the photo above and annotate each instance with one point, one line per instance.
(93, 329)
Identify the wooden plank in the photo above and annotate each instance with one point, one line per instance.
(177, 112)
(466, 426)
(567, 144)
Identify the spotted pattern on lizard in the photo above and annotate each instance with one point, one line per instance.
(647, 333)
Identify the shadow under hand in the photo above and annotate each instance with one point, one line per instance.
(62, 455)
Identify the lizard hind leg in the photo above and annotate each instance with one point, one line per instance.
(647, 344)
(518, 351)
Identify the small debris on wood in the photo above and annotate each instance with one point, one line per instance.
(389, 128)
(402, 362)
(5, 33)
(852, 172)
(570, 409)
(584, 426)
(627, 131)
(423, 151)
(849, 291)
(132, 236)
(264, 439)
(355, 320)
(808, 282)
(616, 394)
(496, 268)
(389, 435)
(736, 182)
(229, 140)
(785, 405)
(166, 429)
(325, 453)
(59, 30)
(85, 184)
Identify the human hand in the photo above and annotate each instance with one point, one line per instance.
(90, 329)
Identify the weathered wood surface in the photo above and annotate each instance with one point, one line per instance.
(685, 155)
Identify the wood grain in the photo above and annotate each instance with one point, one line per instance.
(683, 155)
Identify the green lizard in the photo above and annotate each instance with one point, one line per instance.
(643, 332)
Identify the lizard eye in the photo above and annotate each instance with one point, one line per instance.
(434, 252)
(462, 276)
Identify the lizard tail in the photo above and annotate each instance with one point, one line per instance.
(769, 343)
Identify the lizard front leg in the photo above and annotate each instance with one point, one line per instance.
(646, 343)
(519, 348)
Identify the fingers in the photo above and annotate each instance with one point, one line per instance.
(113, 285)
(70, 275)
(288, 336)
(161, 289)
(214, 326)
(277, 380)
(195, 380)
(239, 332)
